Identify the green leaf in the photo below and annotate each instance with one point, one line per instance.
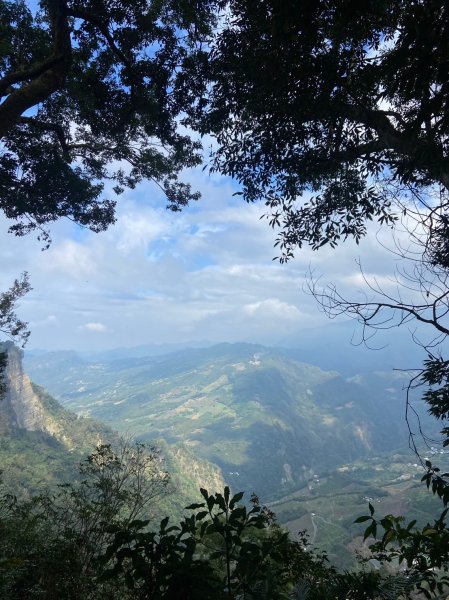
(201, 515)
(210, 502)
(138, 523)
(368, 532)
(236, 498)
(194, 506)
(239, 515)
(362, 519)
(411, 524)
(220, 501)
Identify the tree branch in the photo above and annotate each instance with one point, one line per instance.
(96, 22)
(55, 127)
(414, 147)
(50, 80)
(31, 73)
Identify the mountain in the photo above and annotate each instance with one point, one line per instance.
(338, 346)
(121, 352)
(268, 421)
(327, 506)
(42, 443)
(314, 444)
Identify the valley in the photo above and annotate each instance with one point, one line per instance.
(312, 444)
(328, 505)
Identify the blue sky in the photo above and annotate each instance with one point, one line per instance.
(159, 277)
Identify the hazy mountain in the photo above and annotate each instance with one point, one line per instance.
(42, 442)
(338, 346)
(314, 444)
(121, 352)
(142, 351)
(268, 421)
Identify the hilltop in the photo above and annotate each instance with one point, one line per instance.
(269, 422)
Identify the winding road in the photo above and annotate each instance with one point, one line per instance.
(313, 516)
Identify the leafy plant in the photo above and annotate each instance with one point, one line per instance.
(422, 551)
(223, 550)
(49, 546)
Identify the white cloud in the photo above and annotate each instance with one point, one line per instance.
(155, 276)
(96, 327)
(139, 229)
(70, 258)
(272, 307)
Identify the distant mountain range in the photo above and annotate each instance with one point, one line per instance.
(269, 422)
(339, 346)
(335, 346)
(314, 444)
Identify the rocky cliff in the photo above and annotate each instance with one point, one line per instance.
(26, 411)
(20, 407)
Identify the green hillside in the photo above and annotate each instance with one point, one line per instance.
(33, 461)
(314, 445)
(328, 505)
(270, 423)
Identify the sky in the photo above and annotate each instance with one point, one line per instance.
(156, 277)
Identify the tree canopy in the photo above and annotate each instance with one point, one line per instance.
(336, 114)
(89, 95)
(346, 101)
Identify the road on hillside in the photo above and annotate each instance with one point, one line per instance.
(313, 516)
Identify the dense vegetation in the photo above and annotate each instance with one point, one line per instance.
(81, 93)
(269, 423)
(335, 114)
(49, 542)
(96, 539)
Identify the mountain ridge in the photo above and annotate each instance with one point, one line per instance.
(247, 408)
(42, 443)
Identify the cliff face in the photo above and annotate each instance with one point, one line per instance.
(195, 473)
(21, 408)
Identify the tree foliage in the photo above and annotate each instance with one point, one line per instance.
(421, 552)
(333, 99)
(10, 324)
(90, 95)
(336, 114)
(224, 549)
(49, 546)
